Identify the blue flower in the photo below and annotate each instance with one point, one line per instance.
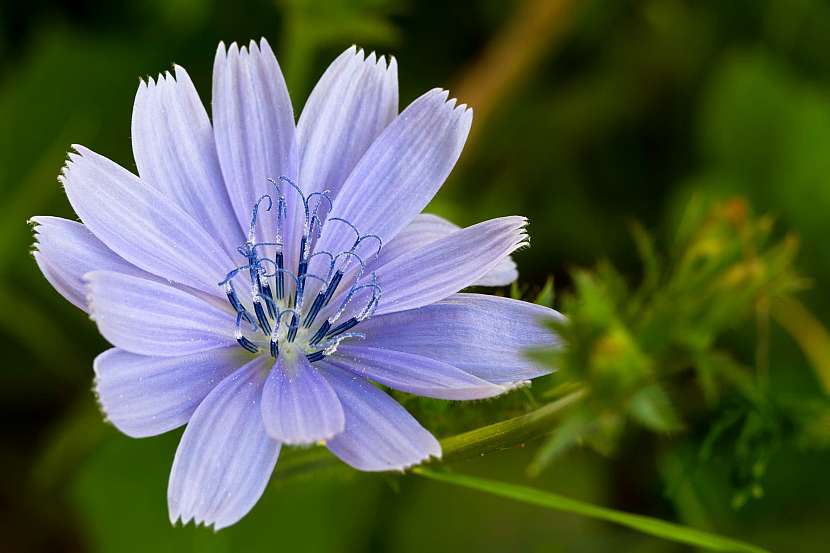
(258, 275)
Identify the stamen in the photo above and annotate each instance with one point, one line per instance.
(320, 334)
(331, 262)
(265, 292)
(331, 345)
(373, 236)
(280, 277)
(342, 327)
(351, 255)
(247, 344)
(232, 274)
(335, 281)
(232, 297)
(240, 338)
(301, 271)
(260, 315)
(291, 184)
(270, 307)
(376, 291)
(293, 327)
(274, 341)
(373, 301)
(315, 309)
(348, 224)
(254, 212)
(315, 230)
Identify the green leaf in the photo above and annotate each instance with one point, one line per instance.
(546, 294)
(648, 255)
(647, 525)
(653, 408)
(565, 437)
(515, 291)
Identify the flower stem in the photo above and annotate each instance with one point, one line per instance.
(508, 433)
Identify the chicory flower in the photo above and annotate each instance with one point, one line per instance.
(258, 276)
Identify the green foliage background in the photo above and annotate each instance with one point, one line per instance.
(699, 367)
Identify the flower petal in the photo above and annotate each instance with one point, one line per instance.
(66, 250)
(414, 374)
(175, 151)
(445, 266)
(141, 225)
(254, 129)
(379, 433)
(150, 318)
(401, 171)
(424, 229)
(145, 396)
(351, 104)
(484, 335)
(299, 406)
(59, 282)
(225, 457)
(503, 273)
(427, 228)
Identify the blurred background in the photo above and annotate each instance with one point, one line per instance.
(589, 115)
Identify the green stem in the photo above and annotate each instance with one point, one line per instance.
(647, 525)
(509, 433)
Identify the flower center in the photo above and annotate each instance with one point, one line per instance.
(306, 311)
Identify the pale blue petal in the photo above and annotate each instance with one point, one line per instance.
(299, 406)
(401, 171)
(225, 457)
(503, 273)
(379, 434)
(423, 229)
(145, 396)
(142, 225)
(59, 282)
(175, 151)
(427, 228)
(483, 335)
(351, 104)
(445, 266)
(150, 318)
(414, 374)
(253, 123)
(66, 250)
